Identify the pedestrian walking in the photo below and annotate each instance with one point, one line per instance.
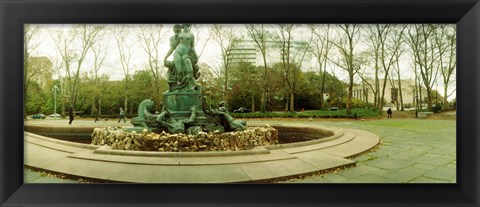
(95, 113)
(70, 114)
(122, 116)
(389, 112)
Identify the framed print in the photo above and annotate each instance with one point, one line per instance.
(204, 152)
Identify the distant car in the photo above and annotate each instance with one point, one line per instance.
(38, 116)
(242, 110)
(54, 115)
(333, 109)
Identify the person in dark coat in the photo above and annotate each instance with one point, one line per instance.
(389, 112)
(95, 113)
(122, 116)
(70, 114)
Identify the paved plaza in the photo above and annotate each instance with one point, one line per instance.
(411, 151)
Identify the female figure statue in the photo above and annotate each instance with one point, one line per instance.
(184, 58)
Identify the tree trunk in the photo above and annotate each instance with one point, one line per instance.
(445, 101)
(25, 101)
(63, 107)
(292, 101)
(93, 105)
(420, 95)
(349, 96)
(265, 80)
(99, 106)
(400, 92)
(377, 101)
(126, 104)
(262, 102)
(429, 99)
(253, 102)
(322, 87)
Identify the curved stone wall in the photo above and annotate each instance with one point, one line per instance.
(119, 139)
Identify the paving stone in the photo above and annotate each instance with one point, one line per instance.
(317, 180)
(442, 173)
(323, 161)
(382, 172)
(407, 154)
(363, 158)
(52, 180)
(270, 170)
(425, 167)
(380, 153)
(433, 159)
(423, 179)
(334, 178)
(406, 174)
(356, 171)
(29, 176)
(389, 163)
(451, 165)
(443, 150)
(370, 178)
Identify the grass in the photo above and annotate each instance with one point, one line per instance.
(356, 113)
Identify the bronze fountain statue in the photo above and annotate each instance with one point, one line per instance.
(183, 108)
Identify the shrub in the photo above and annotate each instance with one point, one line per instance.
(356, 113)
(437, 107)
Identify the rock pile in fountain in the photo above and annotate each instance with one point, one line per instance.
(119, 139)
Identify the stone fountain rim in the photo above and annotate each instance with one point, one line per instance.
(98, 149)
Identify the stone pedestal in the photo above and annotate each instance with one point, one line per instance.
(179, 104)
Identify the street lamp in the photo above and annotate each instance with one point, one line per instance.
(55, 99)
(416, 106)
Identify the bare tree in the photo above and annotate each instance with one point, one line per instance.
(445, 39)
(99, 50)
(399, 33)
(320, 48)
(73, 45)
(150, 37)
(29, 71)
(258, 33)
(121, 34)
(292, 54)
(349, 62)
(390, 51)
(199, 40)
(227, 39)
(422, 42)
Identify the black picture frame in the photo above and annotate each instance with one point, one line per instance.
(13, 14)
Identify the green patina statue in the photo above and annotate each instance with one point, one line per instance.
(173, 125)
(183, 71)
(145, 118)
(183, 109)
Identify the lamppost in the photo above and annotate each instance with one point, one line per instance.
(55, 99)
(416, 106)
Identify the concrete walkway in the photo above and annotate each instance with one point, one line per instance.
(411, 151)
(261, 164)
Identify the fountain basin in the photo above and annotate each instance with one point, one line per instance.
(260, 164)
